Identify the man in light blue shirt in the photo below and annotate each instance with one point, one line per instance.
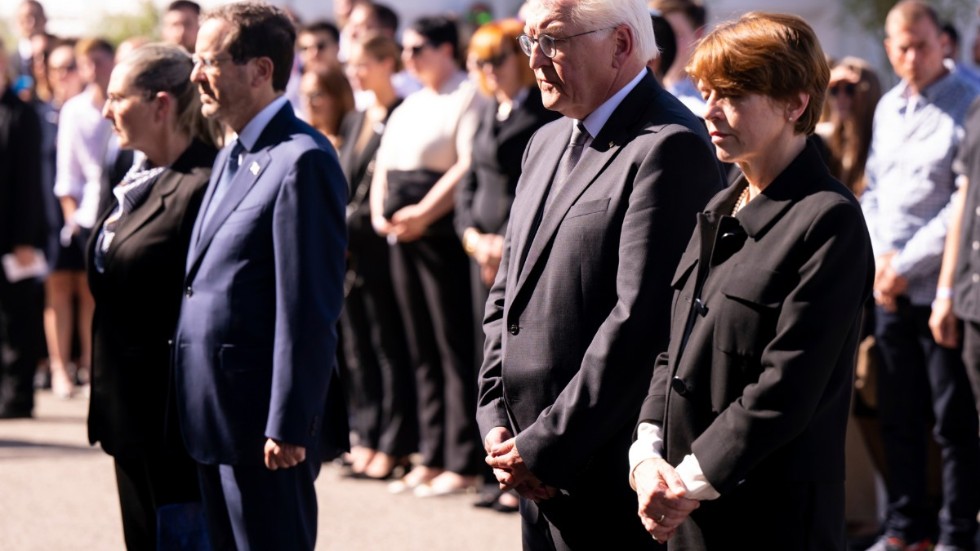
(917, 131)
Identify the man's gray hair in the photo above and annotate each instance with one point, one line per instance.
(602, 14)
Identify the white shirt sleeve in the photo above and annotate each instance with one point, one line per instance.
(649, 444)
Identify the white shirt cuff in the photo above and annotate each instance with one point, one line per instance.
(649, 444)
(693, 477)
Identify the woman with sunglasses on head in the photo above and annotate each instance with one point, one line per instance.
(744, 424)
(487, 191)
(853, 93)
(378, 375)
(136, 258)
(424, 154)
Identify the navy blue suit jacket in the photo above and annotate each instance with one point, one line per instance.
(255, 346)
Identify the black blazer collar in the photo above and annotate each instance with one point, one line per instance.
(795, 182)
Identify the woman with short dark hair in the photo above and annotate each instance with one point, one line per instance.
(744, 424)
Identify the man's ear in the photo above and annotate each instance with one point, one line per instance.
(625, 44)
(263, 68)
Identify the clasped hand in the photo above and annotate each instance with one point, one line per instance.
(661, 496)
(509, 467)
(281, 455)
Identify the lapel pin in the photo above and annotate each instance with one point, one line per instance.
(254, 168)
(612, 144)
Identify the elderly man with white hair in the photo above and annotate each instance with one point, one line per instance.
(579, 309)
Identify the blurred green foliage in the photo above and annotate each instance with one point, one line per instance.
(142, 21)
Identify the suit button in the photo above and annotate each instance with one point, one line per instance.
(189, 292)
(514, 329)
(679, 386)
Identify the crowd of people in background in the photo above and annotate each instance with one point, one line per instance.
(430, 121)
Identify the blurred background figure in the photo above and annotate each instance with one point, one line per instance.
(687, 19)
(41, 45)
(61, 74)
(136, 264)
(666, 42)
(317, 45)
(908, 200)
(83, 139)
(179, 24)
(379, 379)
(368, 18)
(327, 98)
(22, 233)
(952, 54)
(485, 194)
(852, 96)
(341, 15)
(31, 21)
(424, 153)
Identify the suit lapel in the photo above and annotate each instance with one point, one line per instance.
(252, 167)
(618, 130)
(540, 174)
(150, 208)
(589, 167)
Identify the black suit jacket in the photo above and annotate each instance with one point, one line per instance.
(484, 196)
(358, 167)
(137, 299)
(573, 332)
(22, 216)
(758, 388)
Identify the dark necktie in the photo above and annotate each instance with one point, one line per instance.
(573, 152)
(222, 188)
(580, 136)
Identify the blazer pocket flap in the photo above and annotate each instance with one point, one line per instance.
(589, 207)
(756, 285)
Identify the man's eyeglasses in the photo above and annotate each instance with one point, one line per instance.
(846, 88)
(547, 42)
(496, 61)
(209, 64)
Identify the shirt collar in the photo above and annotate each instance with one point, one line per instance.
(931, 92)
(598, 118)
(250, 134)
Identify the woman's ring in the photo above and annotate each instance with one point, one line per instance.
(662, 517)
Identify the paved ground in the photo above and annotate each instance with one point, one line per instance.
(58, 493)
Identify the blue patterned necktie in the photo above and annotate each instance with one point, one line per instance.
(231, 168)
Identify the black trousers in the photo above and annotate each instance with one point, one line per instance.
(431, 278)
(147, 485)
(21, 343)
(378, 375)
(971, 357)
(918, 382)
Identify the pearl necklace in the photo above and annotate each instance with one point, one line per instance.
(743, 199)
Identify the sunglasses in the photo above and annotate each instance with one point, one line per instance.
(496, 61)
(846, 88)
(416, 50)
(318, 46)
